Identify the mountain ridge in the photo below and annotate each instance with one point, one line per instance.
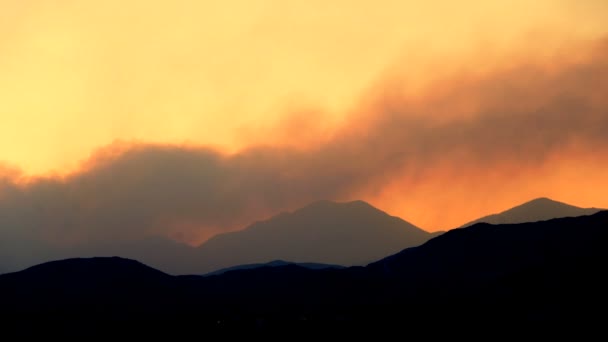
(506, 276)
(342, 233)
(538, 209)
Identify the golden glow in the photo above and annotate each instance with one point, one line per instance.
(447, 198)
(77, 75)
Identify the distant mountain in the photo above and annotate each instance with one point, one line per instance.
(539, 209)
(94, 270)
(517, 276)
(352, 233)
(275, 263)
(159, 252)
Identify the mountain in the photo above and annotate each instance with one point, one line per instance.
(352, 233)
(539, 209)
(157, 251)
(112, 270)
(545, 274)
(493, 250)
(535, 272)
(92, 284)
(274, 263)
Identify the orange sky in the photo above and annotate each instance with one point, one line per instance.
(78, 75)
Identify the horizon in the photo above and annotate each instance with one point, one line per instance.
(305, 264)
(480, 216)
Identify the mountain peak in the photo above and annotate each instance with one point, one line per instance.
(538, 209)
(544, 201)
(97, 267)
(329, 204)
(327, 232)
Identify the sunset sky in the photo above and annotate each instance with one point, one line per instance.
(188, 118)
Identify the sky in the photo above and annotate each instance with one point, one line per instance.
(189, 118)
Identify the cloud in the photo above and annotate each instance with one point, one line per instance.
(520, 114)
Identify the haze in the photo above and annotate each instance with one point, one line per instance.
(201, 116)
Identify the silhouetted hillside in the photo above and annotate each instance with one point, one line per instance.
(92, 269)
(541, 271)
(92, 284)
(539, 209)
(501, 276)
(492, 250)
(353, 233)
(158, 252)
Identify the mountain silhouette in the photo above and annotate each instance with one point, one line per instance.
(489, 250)
(352, 233)
(88, 285)
(502, 276)
(90, 270)
(274, 263)
(546, 271)
(539, 209)
(157, 251)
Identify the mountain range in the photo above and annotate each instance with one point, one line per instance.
(325, 232)
(492, 276)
